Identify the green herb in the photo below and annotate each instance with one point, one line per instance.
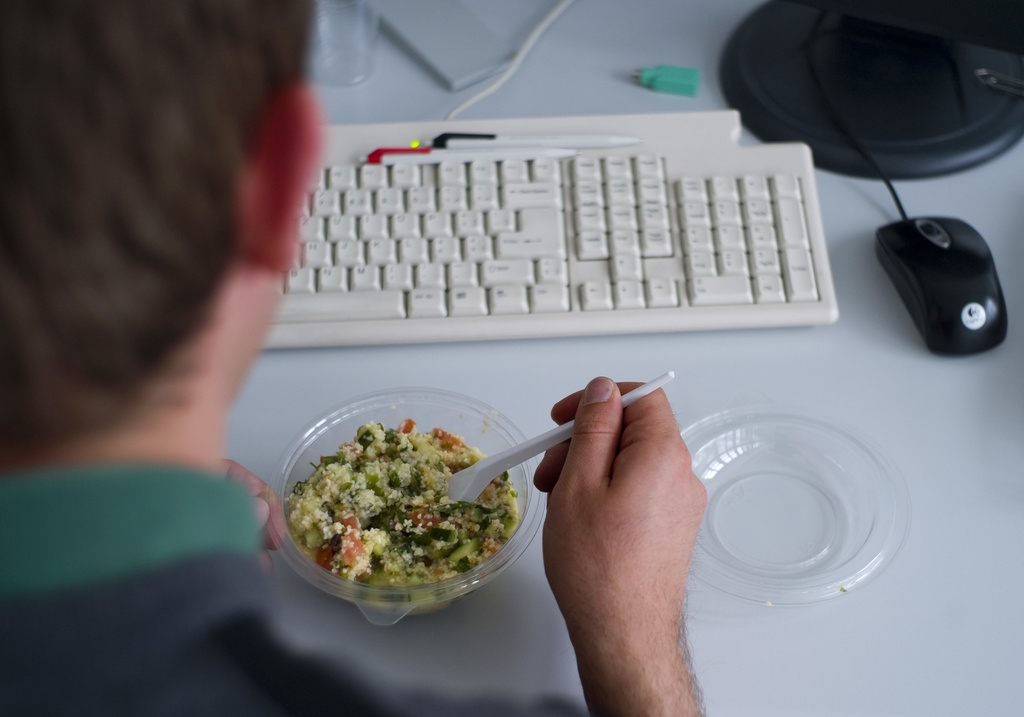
(444, 534)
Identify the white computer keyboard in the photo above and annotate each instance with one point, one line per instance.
(686, 231)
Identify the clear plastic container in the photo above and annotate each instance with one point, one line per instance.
(482, 427)
(798, 510)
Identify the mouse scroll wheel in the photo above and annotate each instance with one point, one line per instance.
(933, 232)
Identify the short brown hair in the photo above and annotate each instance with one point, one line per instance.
(123, 126)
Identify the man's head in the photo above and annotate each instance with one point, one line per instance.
(127, 131)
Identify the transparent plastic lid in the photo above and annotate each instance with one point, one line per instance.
(798, 511)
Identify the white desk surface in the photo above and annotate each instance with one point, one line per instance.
(938, 632)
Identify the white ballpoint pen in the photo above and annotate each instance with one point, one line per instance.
(461, 140)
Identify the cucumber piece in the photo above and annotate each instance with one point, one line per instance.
(464, 551)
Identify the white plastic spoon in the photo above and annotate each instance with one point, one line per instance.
(468, 483)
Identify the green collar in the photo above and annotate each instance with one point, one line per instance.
(63, 528)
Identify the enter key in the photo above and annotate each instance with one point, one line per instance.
(541, 235)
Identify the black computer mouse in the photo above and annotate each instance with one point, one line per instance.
(943, 271)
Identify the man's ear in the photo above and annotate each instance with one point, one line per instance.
(275, 176)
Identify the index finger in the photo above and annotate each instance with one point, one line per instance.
(565, 410)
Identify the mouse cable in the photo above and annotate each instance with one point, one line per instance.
(837, 119)
(516, 60)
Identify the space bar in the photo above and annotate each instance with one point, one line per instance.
(342, 306)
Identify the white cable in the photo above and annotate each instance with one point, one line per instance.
(517, 60)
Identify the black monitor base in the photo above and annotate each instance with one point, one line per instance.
(912, 100)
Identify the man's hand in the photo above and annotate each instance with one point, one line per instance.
(266, 504)
(623, 514)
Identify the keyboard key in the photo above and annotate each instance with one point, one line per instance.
(661, 293)
(694, 214)
(726, 211)
(624, 241)
(520, 196)
(349, 253)
(625, 267)
(365, 278)
(508, 300)
(445, 250)
(720, 290)
(469, 223)
(700, 263)
(404, 176)
(546, 171)
(691, 189)
(540, 234)
(341, 177)
(754, 187)
(389, 201)
(697, 239)
(317, 254)
(381, 252)
(732, 262)
(619, 168)
(467, 301)
(414, 251)
(724, 188)
(591, 246)
(312, 229)
(429, 276)
(341, 228)
(427, 304)
(462, 274)
(513, 271)
(332, 278)
(483, 197)
(344, 306)
(761, 236)
(374, 226)
(648, 166)
(373, 176)
(405, 226)
(420, 200)
(765, 262)
(483, 171)
(785, 185)
(628, 295)
(622, 217)
(356, 202)
(301, 281)
(798, 273)
(452, 199)
(552, 271)
(757, 211)
(789, 218)
(729, 236)
(596, 296)
(768, 289)
(437, 224)
(477, 249)
(326, 202)
(451, 174)
(514, 171)
(656, 243)
(549, 298)
(586, 168)
(501, 220)
(398, 277)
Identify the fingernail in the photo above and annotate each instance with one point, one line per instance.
(598, 391)
(262, 511)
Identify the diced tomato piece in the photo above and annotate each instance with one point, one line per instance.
(325, 557)
(352, 548)
(424, 518)
(448, 439)
(407, 426)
